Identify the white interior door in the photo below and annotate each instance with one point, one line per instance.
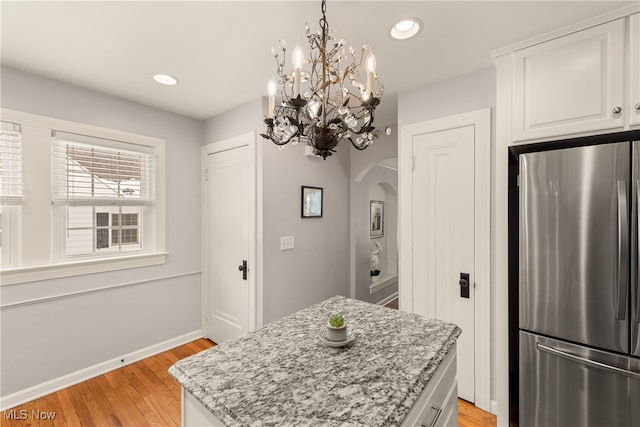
(443, 238)
(228, 293)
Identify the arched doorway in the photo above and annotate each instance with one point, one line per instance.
(375, 195)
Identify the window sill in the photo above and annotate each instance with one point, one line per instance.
(13, 276)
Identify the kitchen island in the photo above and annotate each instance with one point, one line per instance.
(398, 369)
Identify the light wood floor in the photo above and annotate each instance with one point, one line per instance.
(141, 394)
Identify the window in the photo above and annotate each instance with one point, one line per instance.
(11, 186)
(104, 195)
(90, 199)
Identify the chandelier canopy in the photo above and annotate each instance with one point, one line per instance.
(321, 103)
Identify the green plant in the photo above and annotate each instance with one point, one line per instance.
(336, 320)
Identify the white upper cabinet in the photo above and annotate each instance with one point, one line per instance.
(633, 105)
(572, 84)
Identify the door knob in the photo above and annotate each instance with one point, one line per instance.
(638, 106)
(616, 110)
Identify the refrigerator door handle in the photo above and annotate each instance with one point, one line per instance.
(623, 251)
(589, 362)
(637, 252)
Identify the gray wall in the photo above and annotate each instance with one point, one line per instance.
(130, 309)
(318, 267)
(239, 121)
(470, 92)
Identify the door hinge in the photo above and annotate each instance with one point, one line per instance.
(413, 162)
(518, 180)
(206, 174)
(206, 315)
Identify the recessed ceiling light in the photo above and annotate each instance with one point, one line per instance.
(165, 79)
(406, 28)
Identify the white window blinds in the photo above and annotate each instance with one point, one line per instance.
(10, 163)
(88, 170)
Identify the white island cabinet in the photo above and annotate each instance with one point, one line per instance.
(399, 370)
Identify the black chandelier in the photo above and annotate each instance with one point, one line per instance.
(334, 105)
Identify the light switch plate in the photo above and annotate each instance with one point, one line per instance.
(286, 243)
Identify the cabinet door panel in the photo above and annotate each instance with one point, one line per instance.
(633, 107)
(570, 84)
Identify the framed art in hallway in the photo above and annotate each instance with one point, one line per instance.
(311, 202)
(376, 227)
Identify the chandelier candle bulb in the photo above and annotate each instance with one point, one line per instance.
(271, 90)
(297, 60)
(371, 69)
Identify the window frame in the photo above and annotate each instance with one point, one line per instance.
(10, 235)
(10, 211)
(40, 258)
(82, 166)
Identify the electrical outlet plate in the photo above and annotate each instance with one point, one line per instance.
(286, 243)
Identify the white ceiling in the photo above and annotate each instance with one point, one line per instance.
(221, 50)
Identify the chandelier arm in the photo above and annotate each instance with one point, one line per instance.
(273, 138)
(358, 147)
(285, 141)
(367, 127)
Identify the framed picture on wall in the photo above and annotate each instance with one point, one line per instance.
(311, 202)
(376, 227)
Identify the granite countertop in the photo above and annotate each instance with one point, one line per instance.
(282, 374)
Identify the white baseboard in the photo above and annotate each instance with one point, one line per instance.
(388, 299)
(494, 407)
(31, 393)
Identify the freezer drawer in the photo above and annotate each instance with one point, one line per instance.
(564, 385)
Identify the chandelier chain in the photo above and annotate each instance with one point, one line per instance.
(324, 25)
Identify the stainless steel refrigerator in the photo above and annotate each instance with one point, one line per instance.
(579, 299)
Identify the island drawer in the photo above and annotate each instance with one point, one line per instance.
(437, 404)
